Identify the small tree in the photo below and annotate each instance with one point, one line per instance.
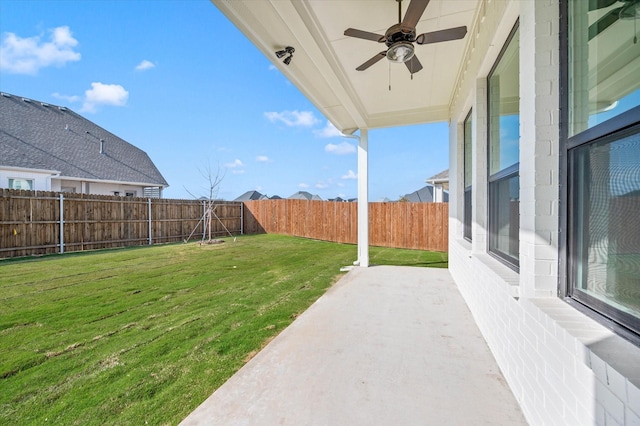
(213, 179)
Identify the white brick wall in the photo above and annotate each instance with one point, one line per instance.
(563, 367)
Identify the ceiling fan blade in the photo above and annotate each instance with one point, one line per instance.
(605, 22)
(352, 32)
(413, 14)
(443, 35)
(413, 65)
(600, 4)
(372, 61)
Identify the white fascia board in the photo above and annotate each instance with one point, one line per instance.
(29, 169)
(117, 182)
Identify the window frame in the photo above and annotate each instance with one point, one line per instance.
(11, 180)
(616, 128)
(467, 209)
(508, 173)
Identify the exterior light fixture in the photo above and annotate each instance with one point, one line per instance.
(284, 52)
(400, 52)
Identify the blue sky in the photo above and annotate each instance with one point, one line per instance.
(178, 80)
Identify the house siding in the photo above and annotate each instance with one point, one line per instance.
(41, 180)
(563, 366)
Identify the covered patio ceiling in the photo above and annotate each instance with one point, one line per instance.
(325, 60)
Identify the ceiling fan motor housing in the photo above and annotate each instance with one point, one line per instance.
(396, 33)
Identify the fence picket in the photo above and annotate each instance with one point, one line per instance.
(422, 226)
(29, 221)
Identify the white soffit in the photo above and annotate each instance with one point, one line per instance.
(325, 60)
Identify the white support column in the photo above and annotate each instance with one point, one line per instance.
(363, 199)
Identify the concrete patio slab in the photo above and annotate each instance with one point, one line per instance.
(384, 346)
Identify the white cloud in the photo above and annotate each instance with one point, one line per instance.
(350, 175)
(235, 164)
(68, 98)
(303, 185)
(293, 118)
(342, 148)
(272, 67)
(263, 159)
(328, 131)
(145, 65)
(104, 94)
(27, 55)
(321, 185)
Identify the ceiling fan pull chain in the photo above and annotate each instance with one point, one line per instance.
(389, 76)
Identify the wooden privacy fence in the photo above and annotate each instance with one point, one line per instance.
(421, 226)
(37, 222)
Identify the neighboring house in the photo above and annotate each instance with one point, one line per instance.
(427, 194)
(304, 195)
(51, 148)
(251, 196)
(440, 184)
(543, 104)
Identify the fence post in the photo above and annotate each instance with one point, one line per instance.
(204, 220)
(61, 224)
(150, 241)
(242, 218)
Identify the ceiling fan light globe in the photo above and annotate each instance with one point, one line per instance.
(400, 52)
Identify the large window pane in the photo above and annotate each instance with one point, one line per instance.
(606, 223)
(468, 155)
(604, 62)
(602, 131)
(504, 153)
(504, 109)
(504, 221)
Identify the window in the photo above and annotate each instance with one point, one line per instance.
(130, 193)
(25, 184)
(68, 189)
(468, 156)
(601, 128)
(504, 153)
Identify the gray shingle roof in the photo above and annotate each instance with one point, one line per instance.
(304, 195)
(250, 195)
(422, 195)
(41, 136)
(443, 175)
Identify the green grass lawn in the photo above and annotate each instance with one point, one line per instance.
(144, 335)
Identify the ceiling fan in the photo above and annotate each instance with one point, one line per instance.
(630, 9)
(400, 37)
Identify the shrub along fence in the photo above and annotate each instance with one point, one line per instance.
(423, 226)
(38, 222)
